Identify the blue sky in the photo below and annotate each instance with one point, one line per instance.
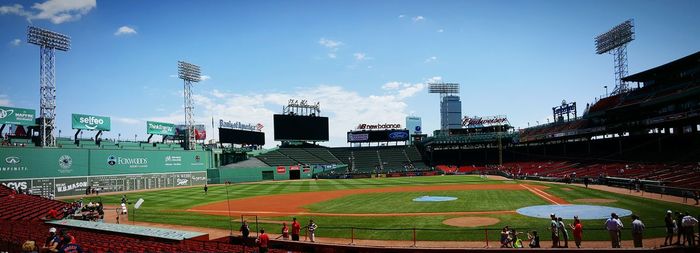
(365, 61)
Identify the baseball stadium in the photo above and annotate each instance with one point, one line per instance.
(475, 184)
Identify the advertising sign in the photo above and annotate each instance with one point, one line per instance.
(238, 125)
(108, 162)
(484, 121)
(160, 128)
(71, 186)
(91, 122)
(17, 116)
(377, 126)
(37, 163)
(281, 170)
(378, 136)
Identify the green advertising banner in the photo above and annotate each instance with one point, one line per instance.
(110, 162)
(17, 116)
(91, 122)
(16, 163)
(160, 128)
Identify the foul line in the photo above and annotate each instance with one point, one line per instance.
(540, 193)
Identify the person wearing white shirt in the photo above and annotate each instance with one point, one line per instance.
(637, 230)
(614, 225)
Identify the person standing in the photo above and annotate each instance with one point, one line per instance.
(577, 228)
(312, 230)
(296, 229)
(262, 241)
(562, 232)
(670, 227)
(613, 225)
(553, 227)
(637, 230)
(245, 230)
(206, 188)
(124, 199)
(586, 181)
(689, 223)
(680, 231)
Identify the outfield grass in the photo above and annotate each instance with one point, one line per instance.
(402, 202)
(166, 206)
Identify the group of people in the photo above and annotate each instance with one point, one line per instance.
(559, 231)
(296, 228)
(55, 242)
(683, 226)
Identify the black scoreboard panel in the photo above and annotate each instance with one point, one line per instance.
(236, 136)
(300, 128)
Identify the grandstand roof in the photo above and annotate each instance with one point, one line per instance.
(650, 74)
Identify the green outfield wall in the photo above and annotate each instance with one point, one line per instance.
(239, 175)
(69, 171)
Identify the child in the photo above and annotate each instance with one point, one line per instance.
(534, 239)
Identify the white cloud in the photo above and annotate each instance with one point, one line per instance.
(172, 76)
(361, 56)
(129, 121)
(56, 11)
(332, 44)
(440, 30)
(391, 85)
(15, 42)
(345, 108)
(204, 77)
(5, 101)
(125, 30)
(431, 59)
(418, 18)
(402, 16)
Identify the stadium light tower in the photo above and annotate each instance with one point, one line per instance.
(615, 42)
(189, 73)
(447, 110)
(48, 43)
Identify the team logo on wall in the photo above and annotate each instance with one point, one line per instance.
(112, 160)
(197, 158)
(65, 162)
(12, 160)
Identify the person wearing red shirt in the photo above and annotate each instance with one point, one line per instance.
(53, 214)
(285, 232)
(577, 227)
(263, 239)
(296, 228)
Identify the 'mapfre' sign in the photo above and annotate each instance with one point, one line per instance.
(160, 128)
(17, 116)
(91, 122)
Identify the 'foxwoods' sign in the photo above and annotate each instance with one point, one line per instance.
(239, 125)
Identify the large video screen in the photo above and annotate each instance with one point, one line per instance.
(300, 128)
(235, 136)
(378, 136)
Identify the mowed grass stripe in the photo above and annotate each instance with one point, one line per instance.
(402, 202)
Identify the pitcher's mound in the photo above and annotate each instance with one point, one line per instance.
(595, 200)
(471, 221)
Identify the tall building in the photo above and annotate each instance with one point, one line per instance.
(450, 113)
(414, 126)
